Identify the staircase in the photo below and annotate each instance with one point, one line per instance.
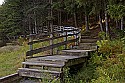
(88, 42)
(42, 67)
(51, 67)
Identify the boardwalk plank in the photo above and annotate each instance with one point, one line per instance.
(38, 73)
(43, 64)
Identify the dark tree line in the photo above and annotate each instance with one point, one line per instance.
(22, 17)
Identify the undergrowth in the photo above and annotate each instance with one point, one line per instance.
(105, 66)
(11, 58)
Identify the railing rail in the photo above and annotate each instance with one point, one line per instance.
(47, 39)
(29, 53)
(65, 33)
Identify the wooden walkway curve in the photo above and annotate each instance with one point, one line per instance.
(51, 66)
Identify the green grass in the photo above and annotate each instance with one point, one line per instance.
(12, 56)
(10, 59)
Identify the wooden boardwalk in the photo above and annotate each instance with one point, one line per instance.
(39, 67)
(52, 66)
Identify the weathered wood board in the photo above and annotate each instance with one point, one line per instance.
(52, 66)
(38, 73)
(42, 64)
(75, 52)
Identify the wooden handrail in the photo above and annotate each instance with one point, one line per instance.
(48, 33)
(29, 53)
(42, 40)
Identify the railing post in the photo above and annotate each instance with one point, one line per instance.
(65, 38)
(30, 40)
(30, 48)
(79, 35)
(74, 32)
(51, 43)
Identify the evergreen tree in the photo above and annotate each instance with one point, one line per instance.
(116, 10)
(11, 22)
(87, 8)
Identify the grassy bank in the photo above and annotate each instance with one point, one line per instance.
(11, 58)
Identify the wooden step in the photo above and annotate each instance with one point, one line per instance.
(55, 59)
(88, 37)
(35, 73)
(59, 69)
(43, 64)
(88, 33)
(45, 61)
(90, 44)
(85, 47)
(88, 40)
(77, 52)
(85, 37)
(62, 58)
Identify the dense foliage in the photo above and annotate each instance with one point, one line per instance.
(20, 17)
(105, 66)
(11, 18)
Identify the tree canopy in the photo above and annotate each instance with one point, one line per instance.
(17, 17)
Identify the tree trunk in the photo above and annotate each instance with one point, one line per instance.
(35, 22)
(100, 22)
(80, 18)
(86, 22)
(30, 25)
(59, 18)
(75, 20)
(60, 21)
(67, 17)
(116, 24)
(86, 19)
(51, 27)
(122, 20)
(106, 22)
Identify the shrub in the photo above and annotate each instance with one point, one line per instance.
(116, 46)
(111, 70)
(22, 41)
(104, 47)
(108, 47)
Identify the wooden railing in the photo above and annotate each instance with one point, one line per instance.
(64, 34)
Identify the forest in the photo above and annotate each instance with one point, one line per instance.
(17, 15)
(19, 18)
